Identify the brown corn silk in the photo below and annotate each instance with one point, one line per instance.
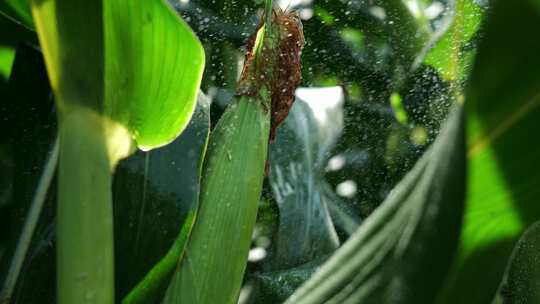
(277, 66)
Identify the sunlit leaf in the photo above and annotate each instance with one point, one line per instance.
(121, 72)
(7, 55)
(401, 253)
(156, 193)
(449, 52)
(503, 110)
(142, 64)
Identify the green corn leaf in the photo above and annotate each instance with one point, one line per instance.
(212, 266)
(522, 279)
(152, 189)
(13, 14)
(154, 93)
(401, 253)
(122, 72)
(153, 192)
(503, 108)
(18, 11)
(138, 64)
(448, 51)
(10, 36)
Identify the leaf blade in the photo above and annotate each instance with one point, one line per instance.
(173, 75)
(381, 262)
(503, 168)
(134, 55)
(155, 192)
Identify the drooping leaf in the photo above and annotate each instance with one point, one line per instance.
(307, 205)
(142, 64)
(156, 195)
(401, 253)
(172, 76)
(503, 110)
(522, 279)
(297, 161)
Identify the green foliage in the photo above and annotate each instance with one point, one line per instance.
(159, 49)
(85, 266)
(212, 265)
(142, 211)
(11, 35)
(297, 162)
(502, 193)
(134, 54)
(106, 93)
(18, 11)
(401, 253)
(397, 107)
(522, 281)
(146, 212)
(402, 65)
(450, 53)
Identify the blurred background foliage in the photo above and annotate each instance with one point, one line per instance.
(399, 66)
(394, 67)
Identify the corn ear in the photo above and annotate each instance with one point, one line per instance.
(213, 264)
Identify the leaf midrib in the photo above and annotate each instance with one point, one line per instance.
(509, 121)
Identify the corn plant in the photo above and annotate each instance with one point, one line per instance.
(106, 106)
(245, 152)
